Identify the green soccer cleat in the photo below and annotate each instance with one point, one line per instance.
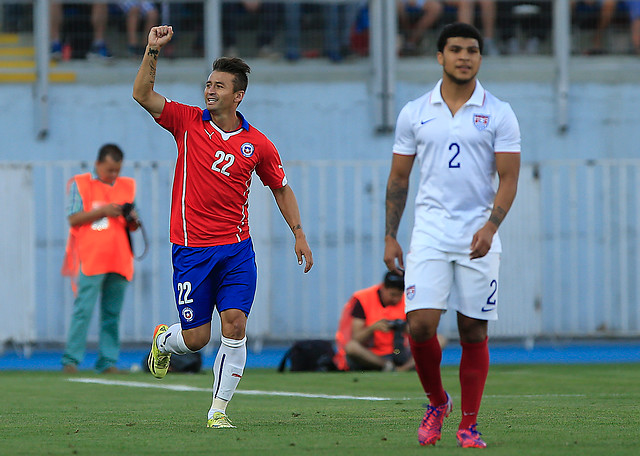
(219, 420)
(158, 363)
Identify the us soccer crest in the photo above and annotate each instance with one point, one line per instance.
(481, 121)
(410, 292)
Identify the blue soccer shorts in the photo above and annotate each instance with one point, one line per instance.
(207, 278)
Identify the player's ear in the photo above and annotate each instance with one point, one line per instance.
(239, 96)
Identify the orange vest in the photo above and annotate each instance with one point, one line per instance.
(102, 246)
(374, 311)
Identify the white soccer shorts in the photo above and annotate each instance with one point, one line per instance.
(442, 280)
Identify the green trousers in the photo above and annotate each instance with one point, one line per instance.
(111, 287)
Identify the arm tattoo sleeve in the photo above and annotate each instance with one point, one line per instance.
(152, 71)
(497, 216)
(395, 202)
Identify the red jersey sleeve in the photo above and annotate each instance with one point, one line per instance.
(270, 169)
(175, 115)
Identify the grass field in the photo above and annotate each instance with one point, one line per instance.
(527, 410)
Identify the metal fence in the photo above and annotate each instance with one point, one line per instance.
(570, 265)
(292, 30)
(518, 26)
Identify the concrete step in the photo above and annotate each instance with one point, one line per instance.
(17, 62)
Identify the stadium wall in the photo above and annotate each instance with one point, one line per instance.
(310, 121)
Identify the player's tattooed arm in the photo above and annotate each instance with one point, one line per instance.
(497, 216)
(397, 190)
(508, 168)
(153, 62)
(152, 65)
(395, 202)
(143, 85)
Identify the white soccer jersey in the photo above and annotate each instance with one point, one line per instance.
(456, 155)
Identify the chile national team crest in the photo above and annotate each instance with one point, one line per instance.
(481, 121)
(247, 149)
(187, 313)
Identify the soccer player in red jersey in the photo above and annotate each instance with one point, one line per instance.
(212, 253)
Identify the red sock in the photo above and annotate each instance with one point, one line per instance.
(474, 367)
(428, 355)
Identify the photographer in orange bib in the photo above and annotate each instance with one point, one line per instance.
(99, 258)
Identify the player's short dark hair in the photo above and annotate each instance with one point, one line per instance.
(393, 280)
(110, 150)
(237, 67)
(459, 29)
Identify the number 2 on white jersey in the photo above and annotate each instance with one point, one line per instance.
(453, 163)
(222, 157)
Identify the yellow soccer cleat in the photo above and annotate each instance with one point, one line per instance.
(219, 420)
(158, 362)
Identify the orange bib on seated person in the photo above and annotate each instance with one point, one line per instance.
(374, 311)
(343, 335)
(102, 246)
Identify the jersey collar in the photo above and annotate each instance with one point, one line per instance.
(477, 97)
(206, 117)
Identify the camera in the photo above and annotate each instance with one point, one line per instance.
(133, 223)
(126, 212)
(401, 352)
(397, 325)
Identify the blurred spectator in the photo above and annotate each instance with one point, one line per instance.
(603, 13)
(605, 10)
(466, 13)
(359, 41)
(99, 17)
(634, 12)
(134, 11)
(415, 17)
(16, 18)
(524, 23)
(55, 30)
(238, 15)
(338, 21)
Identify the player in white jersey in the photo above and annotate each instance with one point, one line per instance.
(462, 137)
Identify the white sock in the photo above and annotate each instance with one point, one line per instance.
(227, 372)
(172, 341)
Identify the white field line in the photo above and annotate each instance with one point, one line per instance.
(248, 392)
(293, 394)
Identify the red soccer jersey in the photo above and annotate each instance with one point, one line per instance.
(213, 176)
